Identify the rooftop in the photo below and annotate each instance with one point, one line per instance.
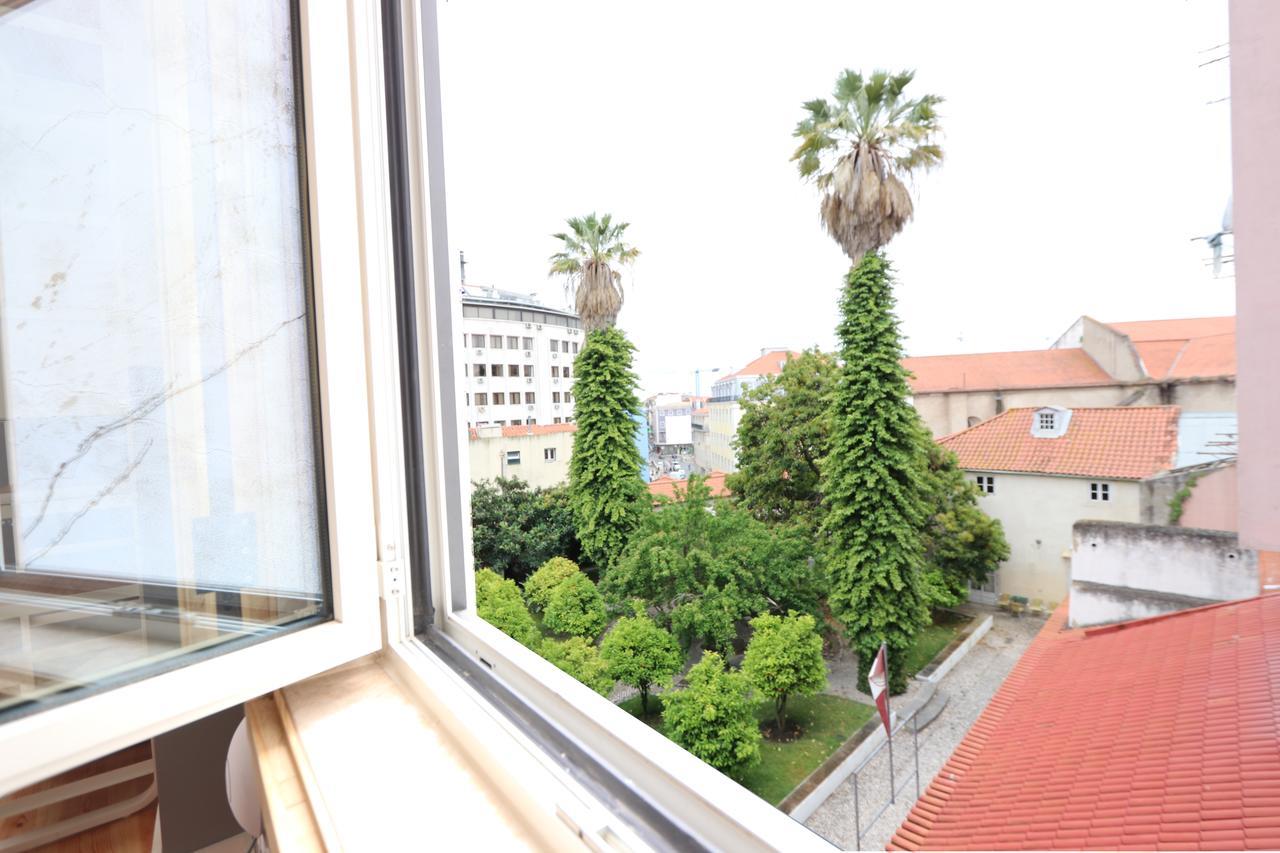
(768, 364)
(523, 430)
(666, 486)
(1119, 443)
(1155, 734)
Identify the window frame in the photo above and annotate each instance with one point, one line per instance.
(334, 52)
(636, 780)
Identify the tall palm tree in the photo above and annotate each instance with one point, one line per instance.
(592, 250)
(859, 148)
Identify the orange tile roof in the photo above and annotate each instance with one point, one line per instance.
(1199, 348)
(1119, 443)
(666, 486)
(1049, 368)
(528, 429)
(1156, 734)
(768, 364)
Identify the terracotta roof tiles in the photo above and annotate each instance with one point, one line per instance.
(1119, 443)
(527, 429)
(1050, 368)
(666, 486)
(1155, 734)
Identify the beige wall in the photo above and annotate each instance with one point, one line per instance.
(950, 412)
(1113, 351)
(722, 429)
(1212, 504)
(488, 458)
(1038, 513)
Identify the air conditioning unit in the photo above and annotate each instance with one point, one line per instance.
(556, 406)
(480, 380)
(555, 381)
(539, 327)
(530, 407)
(479, 408)
(528, 354)
(528, 325)
(555, 355)
(528, 380)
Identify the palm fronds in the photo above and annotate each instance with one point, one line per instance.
(592, 248)
(859, 147)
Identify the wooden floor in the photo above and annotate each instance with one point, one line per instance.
(132, 833)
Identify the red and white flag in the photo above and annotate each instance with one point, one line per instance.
(878, 678)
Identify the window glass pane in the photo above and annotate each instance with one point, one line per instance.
(161, 487)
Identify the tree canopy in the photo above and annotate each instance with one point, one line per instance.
(962, 544)
(641, 654)
(713, 717)
(515, 529)
(704, 571)
(575, 607)
(859, 148)
(784, 659)
(875, 478)
(606, 493)
(539, 585)
(498, 602)
(784, 433)
(580, 658)
(592, 250)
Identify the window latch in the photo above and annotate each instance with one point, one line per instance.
(390, 578)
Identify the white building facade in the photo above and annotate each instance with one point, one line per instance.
(714, 451)
(517, 356)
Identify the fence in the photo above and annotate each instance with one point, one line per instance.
(894, 789)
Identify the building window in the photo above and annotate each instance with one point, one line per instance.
(1099, 491)
(495, 341)
(575, 347)
(479, 370)
(516, 422)
(555, 396)
(513, 370)
(499, 423)
(1045, 421)
(564, 346)
(555, 371)
(482, 399)
(499, 398)
(532, 422)
(513, 457)
(468, 396)
(986, 484)
(555, 345)
(513, 342)
(549, 454)
(528, 397)
(568, 398)
(528, 343)
(566, 372)
(477, 341)
(555, 420)
(528, 370)
(496, 368)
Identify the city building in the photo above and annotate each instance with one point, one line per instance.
(669, 487)
(670, 418)
(517, 359)
(699, 428)
(1042, 470)
(1188, 363)
(536, 453)
(724, 410)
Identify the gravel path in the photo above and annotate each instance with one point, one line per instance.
(968, 687)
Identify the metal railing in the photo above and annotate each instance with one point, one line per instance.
(894, 788)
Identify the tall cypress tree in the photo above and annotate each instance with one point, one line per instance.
(874, 479)
(605, 488)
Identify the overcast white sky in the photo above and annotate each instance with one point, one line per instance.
(1081, 158)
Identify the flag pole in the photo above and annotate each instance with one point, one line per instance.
(889, 712)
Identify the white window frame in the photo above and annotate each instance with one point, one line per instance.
(696, 796)
(343, 216)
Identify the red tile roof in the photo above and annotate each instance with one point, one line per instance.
(766, 365)
(528, 429)
(1049, 368)
(1198, 348)
(1157, 734)
(666, 486)
(1119, 443)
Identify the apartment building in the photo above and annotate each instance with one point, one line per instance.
(536, 453)
(724, 411)
(517, 359)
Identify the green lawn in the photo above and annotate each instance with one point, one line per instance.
(934, 638)
(828, 721)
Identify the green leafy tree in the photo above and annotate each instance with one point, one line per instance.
(875, 479)
(515, 528)
(859, 147)
(962, 544)
(575, 607)
(591, 252)
(703, 572)
(606, 492)
(539, 585)
(784, 659)
(713, 717)
(783, 436)
(641, 654)
(498, 602)
(580, 658)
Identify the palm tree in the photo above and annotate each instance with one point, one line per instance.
(592, 249)
(859, 148)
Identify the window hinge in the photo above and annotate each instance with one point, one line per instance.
(390, 578)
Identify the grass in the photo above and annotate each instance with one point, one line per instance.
(947, 624)
(827, 721)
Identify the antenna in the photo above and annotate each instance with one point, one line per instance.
(462, 264)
